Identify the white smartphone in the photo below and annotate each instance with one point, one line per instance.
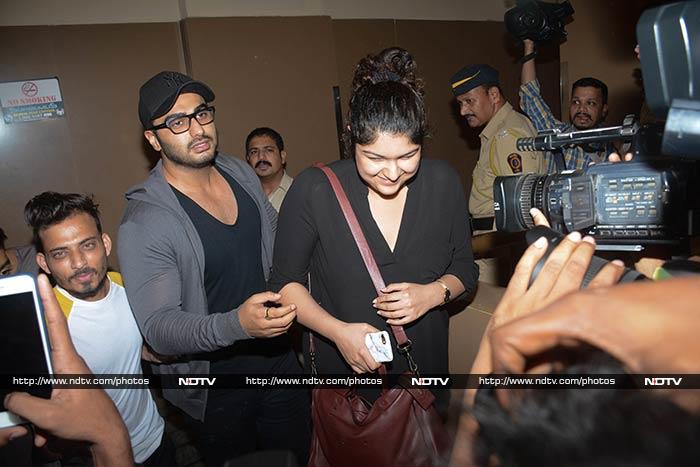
(24, 343)
(379, 346)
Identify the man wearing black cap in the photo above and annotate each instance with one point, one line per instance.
(195, 247)
(482, 104)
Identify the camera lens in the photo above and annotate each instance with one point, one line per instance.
(514, 196)
(531, 196)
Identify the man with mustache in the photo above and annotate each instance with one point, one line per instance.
(195, 246)
(481, 103)
(588, 108)
(73, 250)
(264, 151)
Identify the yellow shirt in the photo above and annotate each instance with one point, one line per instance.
(499, 156)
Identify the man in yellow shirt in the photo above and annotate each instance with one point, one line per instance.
(481, 101)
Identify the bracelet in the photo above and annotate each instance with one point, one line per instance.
(448, 294)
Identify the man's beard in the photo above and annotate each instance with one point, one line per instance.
(175, 155)
(84, 295)
(593, 123)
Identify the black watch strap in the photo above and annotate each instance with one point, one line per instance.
(448, 294)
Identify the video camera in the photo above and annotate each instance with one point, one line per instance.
(651, 200)
(536, 20)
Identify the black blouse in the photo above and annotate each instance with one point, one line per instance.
(312, 235)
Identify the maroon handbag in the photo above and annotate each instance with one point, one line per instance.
(402, 427)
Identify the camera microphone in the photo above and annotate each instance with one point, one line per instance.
(554, 139)
(530, 144)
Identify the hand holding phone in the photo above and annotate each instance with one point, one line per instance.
(379, 346)
(24, 343)
(72, 413)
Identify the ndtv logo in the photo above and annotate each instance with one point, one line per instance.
(662, 381)
(429, 381)
(196, 381)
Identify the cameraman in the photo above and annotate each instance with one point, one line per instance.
(588, 108)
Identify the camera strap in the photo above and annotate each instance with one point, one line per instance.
(403, 343)
(528, 57)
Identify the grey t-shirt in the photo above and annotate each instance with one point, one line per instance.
(26, 260)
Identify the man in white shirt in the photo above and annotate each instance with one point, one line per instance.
(72, 249)
(264, 151)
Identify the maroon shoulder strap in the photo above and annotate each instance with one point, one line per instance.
(367, 256)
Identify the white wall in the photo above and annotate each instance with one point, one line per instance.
(51, 12)
(345, 9)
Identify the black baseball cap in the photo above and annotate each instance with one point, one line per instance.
(472, 76)
(158, 94)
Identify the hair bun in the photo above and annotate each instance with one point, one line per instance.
(386, 75)
(391, 64)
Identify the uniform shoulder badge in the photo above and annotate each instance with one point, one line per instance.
(515, 162)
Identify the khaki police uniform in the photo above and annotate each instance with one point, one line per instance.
(499, 156)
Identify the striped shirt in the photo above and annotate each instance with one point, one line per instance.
(534, 106)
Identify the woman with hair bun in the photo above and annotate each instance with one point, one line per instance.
(413, 213)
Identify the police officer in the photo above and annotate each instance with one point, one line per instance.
(482, 103)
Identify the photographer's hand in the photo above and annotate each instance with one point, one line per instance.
(650, 326)
(10, 433)
(538, 218)
(615, 157)
(73, 413)
(561, 274)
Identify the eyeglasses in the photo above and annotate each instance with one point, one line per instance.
(181, 123)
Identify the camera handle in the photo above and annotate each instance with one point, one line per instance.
(597, 263)
(555, 139)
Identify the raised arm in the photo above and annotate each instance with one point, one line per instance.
(531, 101)
(528, 72)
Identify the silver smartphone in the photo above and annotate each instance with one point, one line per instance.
(24, 343)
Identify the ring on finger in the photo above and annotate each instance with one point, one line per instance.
(267, 312)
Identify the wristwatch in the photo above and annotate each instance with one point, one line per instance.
(448, 294)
